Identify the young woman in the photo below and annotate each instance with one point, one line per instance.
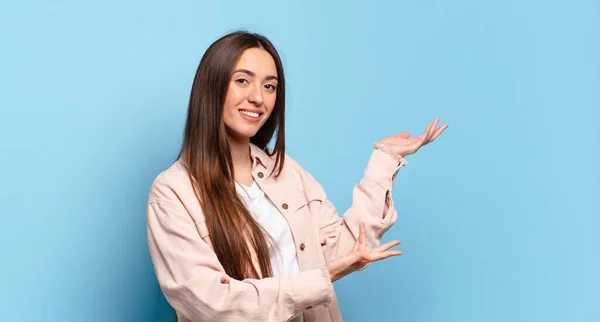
(239, 232)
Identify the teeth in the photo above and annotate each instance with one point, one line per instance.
(251, 114)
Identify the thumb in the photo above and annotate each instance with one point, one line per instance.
(403, 135)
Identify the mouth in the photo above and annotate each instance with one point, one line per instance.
(250, 115)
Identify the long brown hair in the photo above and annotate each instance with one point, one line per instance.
(205, 152)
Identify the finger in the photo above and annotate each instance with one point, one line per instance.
(403, 135)
(423, 137)
(358, 242)
(355, 247)
(424, 134)
(373, 257)
(433, 128)
(427, 129)
(386, 246)
(362, 239)
(438, 132)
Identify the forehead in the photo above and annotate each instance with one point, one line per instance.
(258, 61)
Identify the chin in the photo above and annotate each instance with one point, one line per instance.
(245, 133)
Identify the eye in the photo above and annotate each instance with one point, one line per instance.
(242, 81)
(270, 87)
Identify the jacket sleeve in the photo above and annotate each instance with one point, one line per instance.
(196, 286)
(371, 203)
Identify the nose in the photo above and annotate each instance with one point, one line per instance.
(255, 94)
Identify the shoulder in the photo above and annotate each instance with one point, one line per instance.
(172, 187)
(307, 181)
(292, 163)
(268, 156)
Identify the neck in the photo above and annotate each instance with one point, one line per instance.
(240, 156)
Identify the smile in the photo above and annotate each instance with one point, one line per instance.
(250, 114)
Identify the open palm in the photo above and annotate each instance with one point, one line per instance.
(403, 144)
(359, 257)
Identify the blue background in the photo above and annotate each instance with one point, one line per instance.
(499, 217)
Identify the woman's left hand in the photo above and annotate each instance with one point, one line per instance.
(359, 257)
(403, 144)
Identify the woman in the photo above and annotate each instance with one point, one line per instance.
(239, 232)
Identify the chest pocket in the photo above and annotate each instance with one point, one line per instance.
(301, 202)
(295, 200)
(313, 200)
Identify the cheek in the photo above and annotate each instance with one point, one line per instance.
(270, 103)
(233, 97)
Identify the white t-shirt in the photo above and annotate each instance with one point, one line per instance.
(283, 253)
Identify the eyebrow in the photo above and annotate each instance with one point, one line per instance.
(252, 74)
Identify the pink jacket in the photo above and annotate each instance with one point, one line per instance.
(195, 283)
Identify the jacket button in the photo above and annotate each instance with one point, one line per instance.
(302, 246)
(260, 175)
(284, 206)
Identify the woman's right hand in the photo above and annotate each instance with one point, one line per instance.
(359, 257)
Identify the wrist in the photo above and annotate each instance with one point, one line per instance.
(333, 273)
(389, 151)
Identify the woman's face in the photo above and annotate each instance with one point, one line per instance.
(251, 94)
